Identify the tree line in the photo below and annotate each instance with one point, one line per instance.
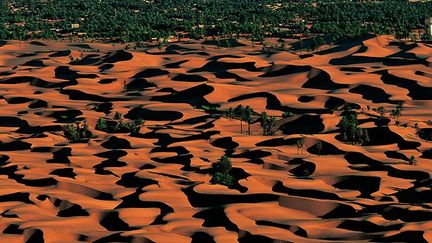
(137, 20)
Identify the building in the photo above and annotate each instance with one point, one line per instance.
(429, 25)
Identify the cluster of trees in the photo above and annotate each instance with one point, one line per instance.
(221, 172)
(244, 114)
(118, 124)
(79, 131)
(76, 132)
(395, 113)
(350, 130)
(247, 114)
(267, 124)
(137, 20)
(353, 18)
(349, 124)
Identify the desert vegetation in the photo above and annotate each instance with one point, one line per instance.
(118, 124)
(350, 130)
(77, 132)
(300, 143)
(221, 172)
(137, 21)
(412, 160)
(243, 114)
(396, 113)
(267, 124)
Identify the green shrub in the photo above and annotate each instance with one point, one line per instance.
(211, 108)
(229, 113)
(319, 147)
(381, 111)
(101, 124)
(132, 127)
(287, 114)
(119, 125)
(76, 132)
(221, 172)
(223, 165)
(300, 145)
(117, 116)
(223, 179)
(412, 160)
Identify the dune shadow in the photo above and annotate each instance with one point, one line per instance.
(193, 96)
(376, 95)
(146, 114)
(305, 124)
(416, 91)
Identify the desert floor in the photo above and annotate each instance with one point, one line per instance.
(155, 185)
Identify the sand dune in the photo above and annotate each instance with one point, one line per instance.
(154, 186)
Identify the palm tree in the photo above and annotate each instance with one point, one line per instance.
(381, 111)
(263, 121)
(300, 145)
(160, 45)
(238, 111)
(319, 147)
(247, 117)
(230, 113)
(397, 112)
(412, 160)
(271, 123)
(267, 124)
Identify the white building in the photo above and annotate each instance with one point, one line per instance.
(429, 25)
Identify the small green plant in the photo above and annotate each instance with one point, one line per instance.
(319, 147)
(125, 87)
(101, 124)
(381, 111)
(412, 160)
(133, 126)
(117, 116)
(96, 107)
(223, 179)
(287, 114)
(300, 145)
(160, 45)
(76, 132)
(210, 108)
(117, 124)
(221, 172)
